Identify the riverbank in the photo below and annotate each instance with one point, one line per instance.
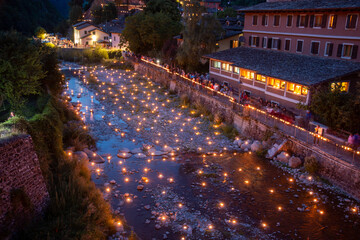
(202, 187)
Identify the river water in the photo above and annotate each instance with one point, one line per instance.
(209, 190)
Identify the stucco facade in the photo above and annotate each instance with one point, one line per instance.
(326, 33)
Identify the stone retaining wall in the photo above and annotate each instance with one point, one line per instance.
(23, 192)
(338, 172)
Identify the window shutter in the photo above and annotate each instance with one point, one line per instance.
(306, 20)
(269, 42)
(279, 44)
(331, 46)
(339, 50)
(354, 52)
(298, 21)
(312, 18)
(263, 20)
(231, 43)
(335, 18)
(324, 21)
(250, 38)
(257, 41)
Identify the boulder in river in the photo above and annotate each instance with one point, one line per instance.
(124, 155)
(283, 157)
(124, 150)
(136, 150)
(256, 146)
(294, 162)
(81, 156)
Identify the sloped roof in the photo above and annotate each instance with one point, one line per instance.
(306, 70)
(85, 25)
(303, 5)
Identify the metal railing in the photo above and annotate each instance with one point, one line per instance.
(324, 144)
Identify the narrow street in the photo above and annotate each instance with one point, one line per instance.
(173, 175)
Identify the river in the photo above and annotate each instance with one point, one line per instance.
(205, 188)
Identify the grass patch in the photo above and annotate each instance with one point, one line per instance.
(229, 130)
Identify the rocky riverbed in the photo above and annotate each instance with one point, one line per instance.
(173, 174)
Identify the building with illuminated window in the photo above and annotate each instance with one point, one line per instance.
(89, 35)
(325, 28)
(291, 47)
(283, 78)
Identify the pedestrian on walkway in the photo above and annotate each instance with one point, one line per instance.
(317, 132)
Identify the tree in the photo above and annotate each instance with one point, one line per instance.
(40, 32)
(146, 32)
(199, 36)
(228, 12)
(20, 69)
(53, 81)
(97, 14)
(336, 109)
(76, 14)
(109, 12)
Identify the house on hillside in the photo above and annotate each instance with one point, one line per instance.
(232, 36)
(89, 35)
(283, 78)
(325, 28)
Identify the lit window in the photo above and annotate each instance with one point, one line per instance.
(247, 74)
(342, 86)
(297, 89)
(347, 51)
(291, 87)
(260, 78)
(351, 21)
(215, 64)
(318, 21)
(236, 70)
(303, 21)
(276, 83)
(332, 21)
(235, 44)
(304, 90)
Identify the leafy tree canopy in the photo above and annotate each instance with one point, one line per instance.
(228, 12)
(167, 7)
(25, 16)
(199, 36)
(104, 14)
(75, 14)
(147, 31)
(337, 109)
(20, 69)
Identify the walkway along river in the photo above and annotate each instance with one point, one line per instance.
(180, 178)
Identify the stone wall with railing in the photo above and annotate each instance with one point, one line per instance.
(253, 123)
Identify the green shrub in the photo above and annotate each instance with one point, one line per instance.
(115, 54)
(229, 131)
(77, 209)
(311, 165)
(218, 118)
(185, 100)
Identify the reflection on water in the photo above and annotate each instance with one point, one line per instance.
(265, 201)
